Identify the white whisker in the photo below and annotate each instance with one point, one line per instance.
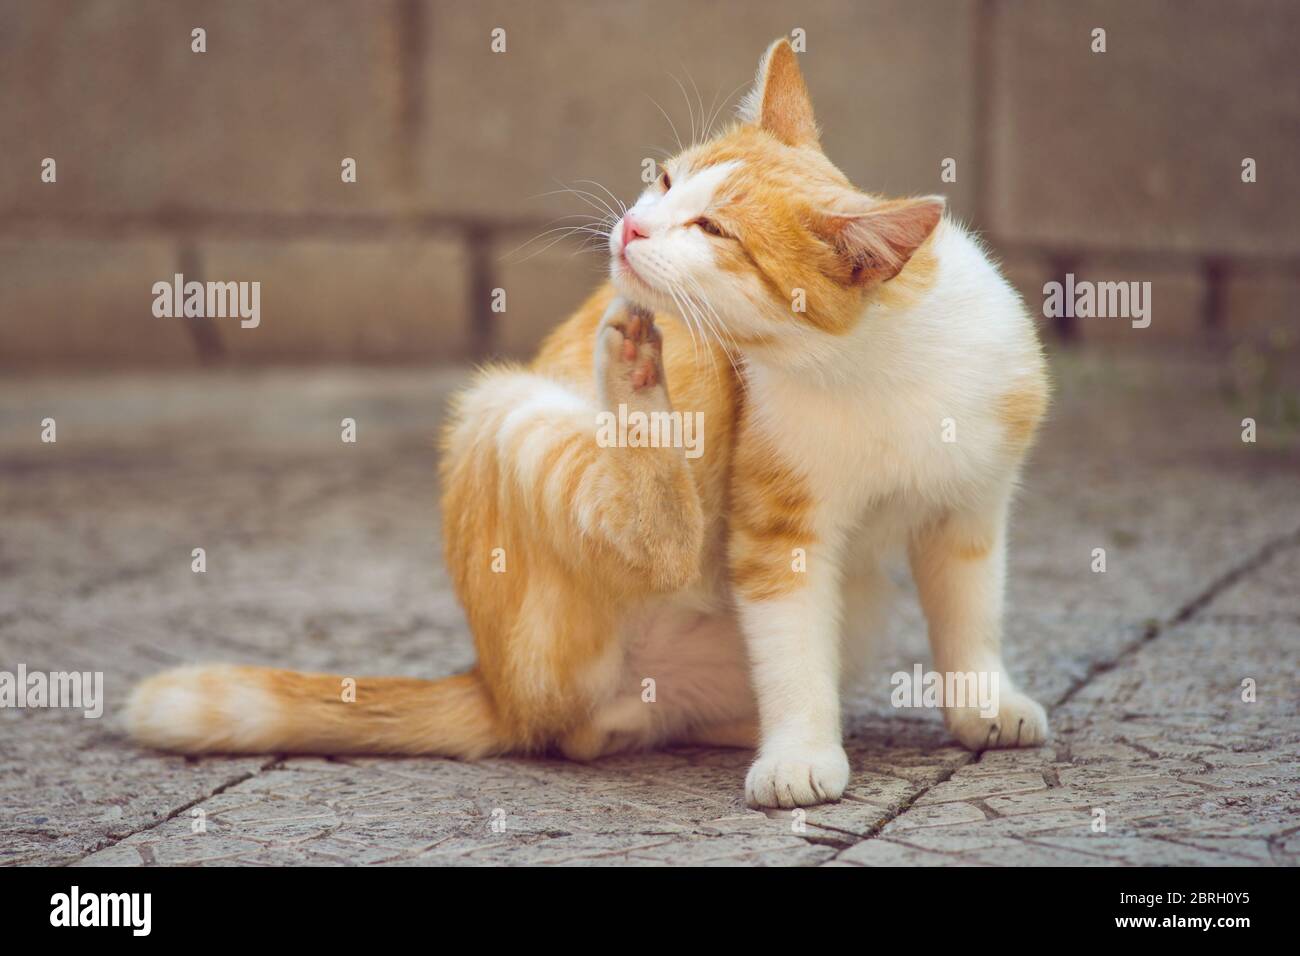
(693, 311)
(689, 108)
(622, 209)
(685, 316)
(704, 133)
(593, 200)
(719, 328)
(590, 232)
(723, 105)
(705, 320)
(671, 124)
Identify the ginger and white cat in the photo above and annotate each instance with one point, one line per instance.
(829, 338)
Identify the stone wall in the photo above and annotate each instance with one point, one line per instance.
(225, 164)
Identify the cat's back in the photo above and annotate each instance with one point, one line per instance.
(973, 301)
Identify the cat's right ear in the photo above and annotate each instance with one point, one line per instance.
(779, 101)
(876, 240)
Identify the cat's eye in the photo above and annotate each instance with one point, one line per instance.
(665, 181)
(709, 226)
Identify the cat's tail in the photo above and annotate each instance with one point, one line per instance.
(227, 709)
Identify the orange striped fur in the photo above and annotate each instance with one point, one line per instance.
(601, 584)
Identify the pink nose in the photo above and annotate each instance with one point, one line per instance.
(633, 230)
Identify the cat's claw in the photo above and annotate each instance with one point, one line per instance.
(797, 778)
(1020, 722)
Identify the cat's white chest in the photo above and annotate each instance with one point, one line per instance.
(859, 447)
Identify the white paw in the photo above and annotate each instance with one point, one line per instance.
(1020, 722)
(797, 778)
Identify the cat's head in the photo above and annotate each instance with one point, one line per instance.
(756, 229)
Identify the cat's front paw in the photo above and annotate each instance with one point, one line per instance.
(797, 778)
(1019, 722)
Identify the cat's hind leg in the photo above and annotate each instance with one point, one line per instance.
(552, 535)
(628, 362)
(661, 523)
(542, 462)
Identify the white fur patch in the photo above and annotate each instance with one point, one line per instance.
(528, 427)
(676, 260)
(193, 709)
(689, 198)
(751, 105)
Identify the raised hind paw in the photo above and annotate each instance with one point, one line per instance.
(629, 360)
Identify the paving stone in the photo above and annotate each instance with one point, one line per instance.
(1269, 593)
(1163, 807)
(974, 787)
(65, 791)
(326, 556)
(888, 853)
(936, 815)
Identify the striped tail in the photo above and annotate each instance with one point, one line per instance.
(228, 709)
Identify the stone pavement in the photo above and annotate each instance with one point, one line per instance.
(323, 555)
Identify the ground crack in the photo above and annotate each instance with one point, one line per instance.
(1189, 610)
(908, 803)
(111, 841)
(1152, 630)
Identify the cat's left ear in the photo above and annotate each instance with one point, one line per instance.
(877, 239)
(779, 101)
